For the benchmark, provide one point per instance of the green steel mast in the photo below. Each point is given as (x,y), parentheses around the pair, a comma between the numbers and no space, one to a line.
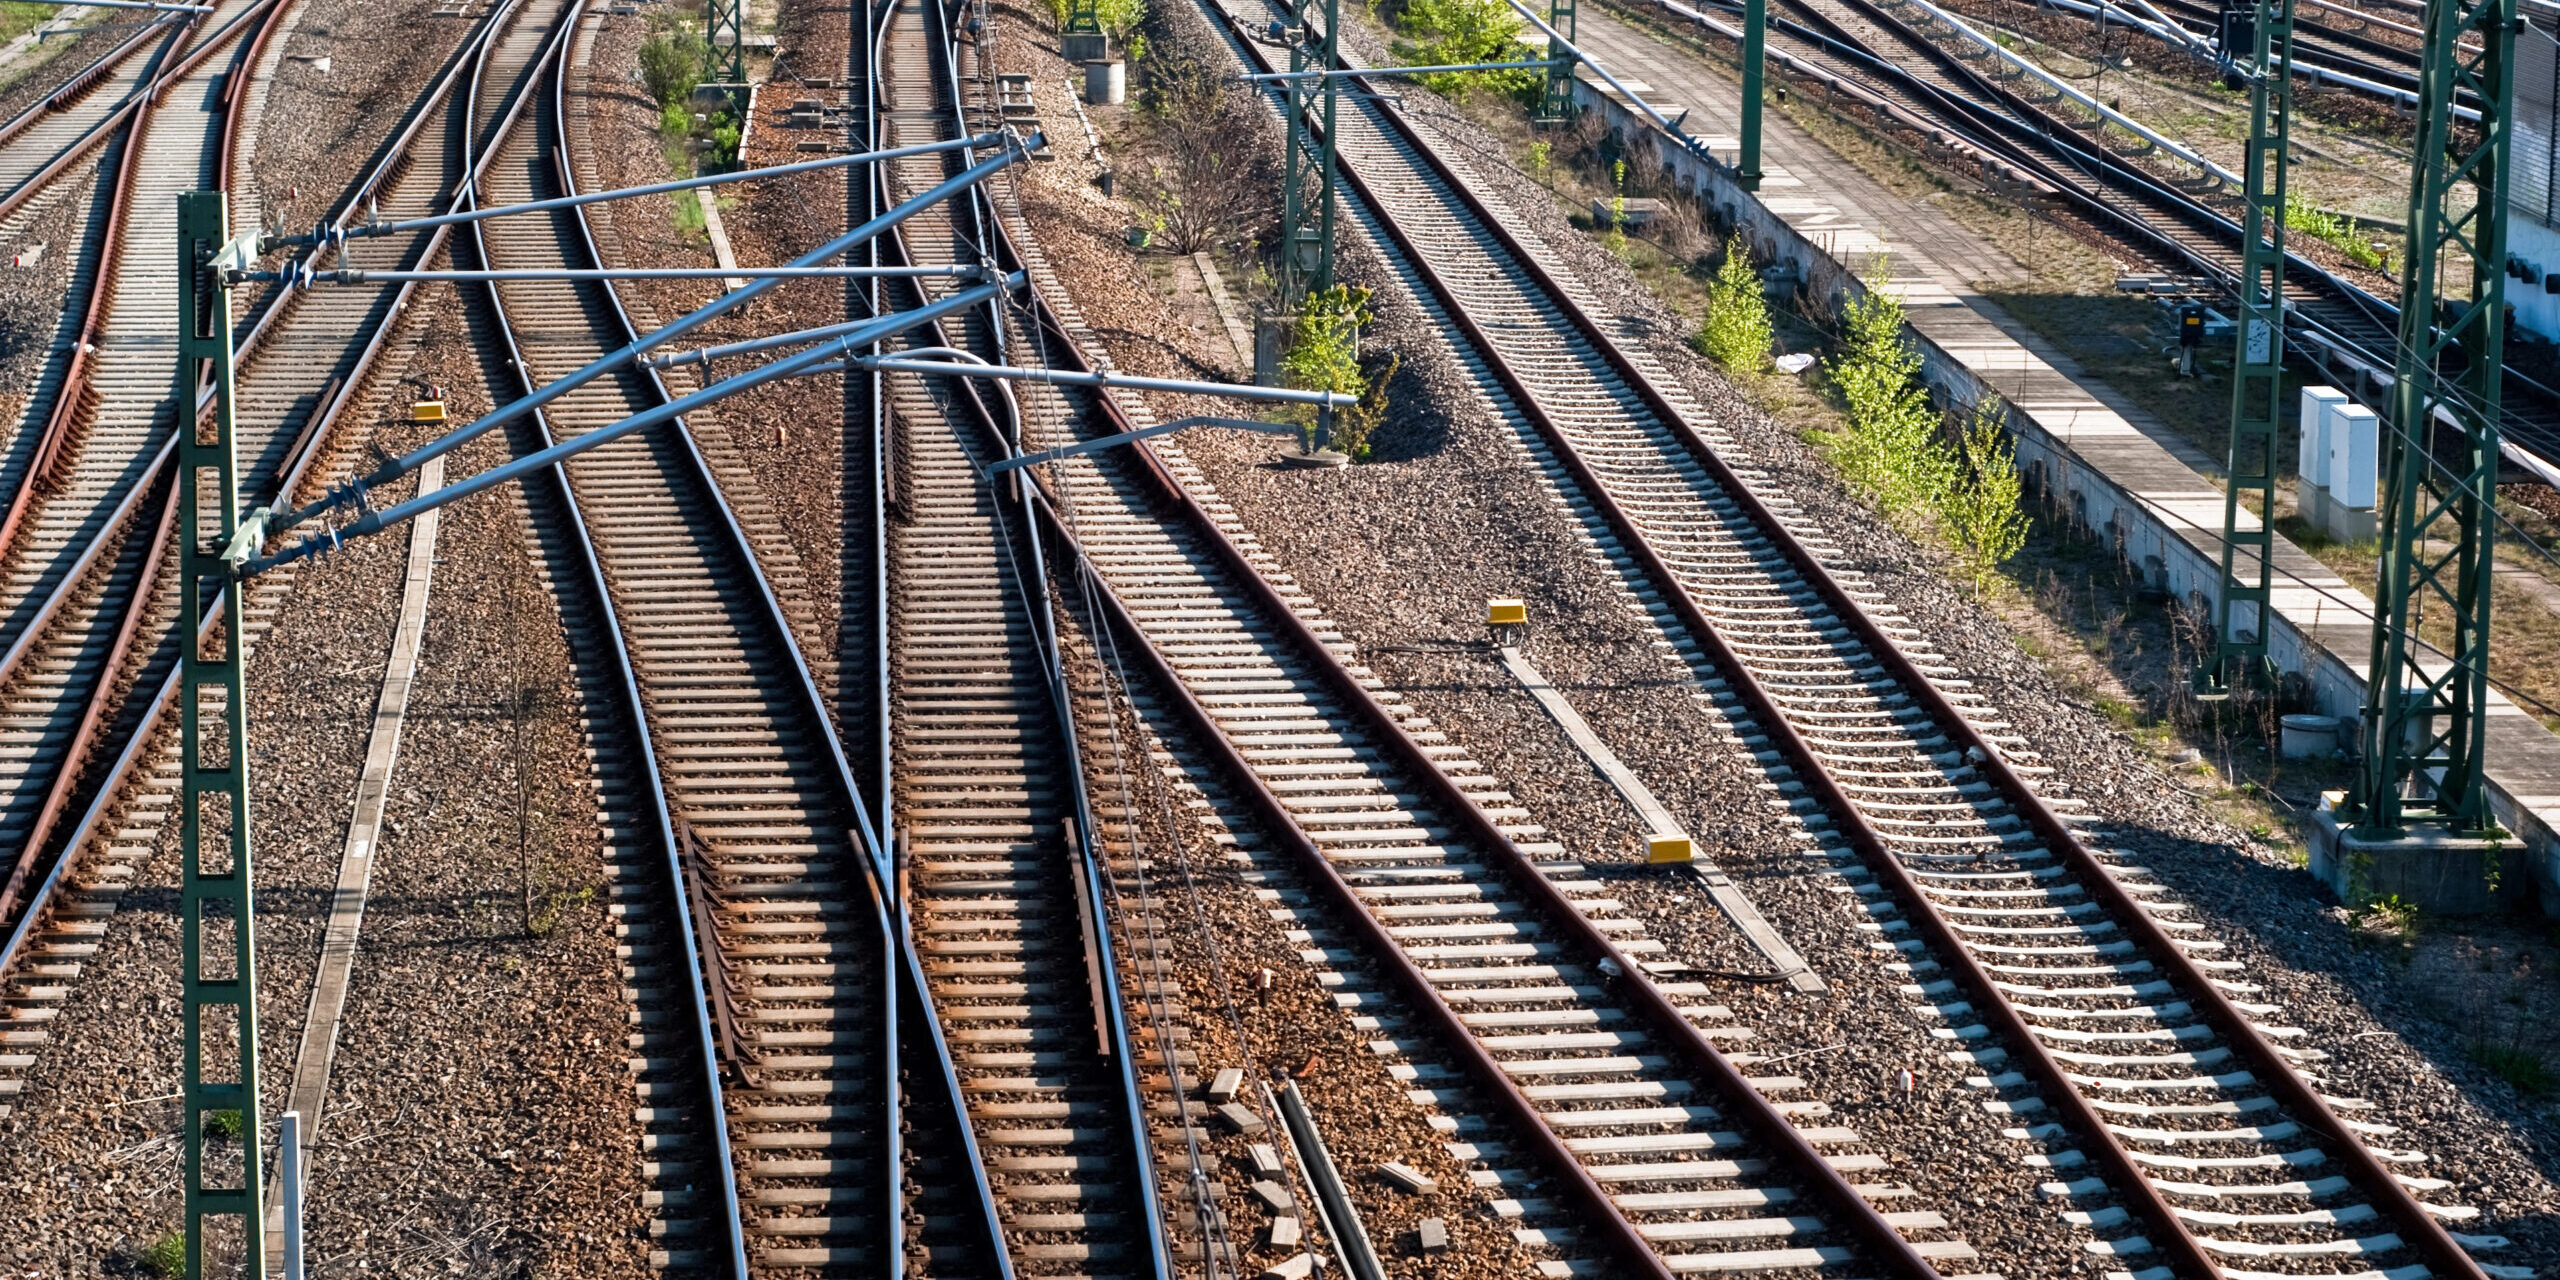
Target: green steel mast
(1755,56)
(2257,369)
(2423,734)
(726,21)
(217,950)
(1307,190)
(1555,104)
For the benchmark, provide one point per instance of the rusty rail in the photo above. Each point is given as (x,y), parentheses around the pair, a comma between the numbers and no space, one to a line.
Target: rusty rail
(2427,1235)
(1752,1112)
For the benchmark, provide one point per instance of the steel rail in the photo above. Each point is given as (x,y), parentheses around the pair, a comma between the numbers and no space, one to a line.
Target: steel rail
(880,872)
(630,705)
(1110,1010)
(1744,1104)
(36,635)
(2150,215)
(78,84)
(93,715)
(2429,1236)
(2335,311)
(1861,834)
(1033,587)
(479,147)
(69,403)
(391,162)
(161,79)
(121,773)
(72,392)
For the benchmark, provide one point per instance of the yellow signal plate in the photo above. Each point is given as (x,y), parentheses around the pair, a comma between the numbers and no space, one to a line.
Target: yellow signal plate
(1505,613)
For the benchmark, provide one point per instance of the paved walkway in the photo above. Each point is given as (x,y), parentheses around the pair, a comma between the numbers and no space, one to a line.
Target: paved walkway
(2153,485)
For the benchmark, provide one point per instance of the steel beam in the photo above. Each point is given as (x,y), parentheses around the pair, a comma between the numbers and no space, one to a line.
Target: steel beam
(1755,56)
(1555,104)
(2423,736)
(218,970)
(726,29)
(1307,184)
(2240,611)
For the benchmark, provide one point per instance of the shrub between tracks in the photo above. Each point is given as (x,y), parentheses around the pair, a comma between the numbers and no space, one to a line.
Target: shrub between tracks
(1324,355)
(1895,448)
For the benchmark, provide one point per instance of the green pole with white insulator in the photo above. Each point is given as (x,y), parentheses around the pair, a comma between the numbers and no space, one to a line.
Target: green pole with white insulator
(224,1171)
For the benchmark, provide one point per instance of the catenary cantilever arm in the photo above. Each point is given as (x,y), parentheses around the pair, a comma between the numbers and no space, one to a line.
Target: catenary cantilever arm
(242,555)
(352,491)
(327,234)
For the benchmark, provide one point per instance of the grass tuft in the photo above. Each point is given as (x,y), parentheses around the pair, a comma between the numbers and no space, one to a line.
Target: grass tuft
(166,1255)
(2527,1070)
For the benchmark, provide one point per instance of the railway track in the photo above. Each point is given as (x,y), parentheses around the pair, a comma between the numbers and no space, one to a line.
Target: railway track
(2178,1111)
(1515,988)
(96,105)
(999,845)
(92,621)
(1883,47)
(771,970)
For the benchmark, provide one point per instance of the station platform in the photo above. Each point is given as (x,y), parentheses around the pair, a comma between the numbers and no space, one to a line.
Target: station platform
(2122,468)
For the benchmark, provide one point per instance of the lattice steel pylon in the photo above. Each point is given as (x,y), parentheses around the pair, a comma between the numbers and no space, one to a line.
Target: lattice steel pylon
(217,940)
(1084,17)
(1307,190)
(1555,102)
(2257,368)
(2423,734)
(725,25)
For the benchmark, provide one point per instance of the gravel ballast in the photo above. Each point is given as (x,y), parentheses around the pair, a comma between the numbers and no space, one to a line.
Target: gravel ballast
(1404,550)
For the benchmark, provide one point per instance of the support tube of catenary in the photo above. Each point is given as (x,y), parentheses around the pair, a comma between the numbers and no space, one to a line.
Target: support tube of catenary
(407,225)
(376,521)
(343,494)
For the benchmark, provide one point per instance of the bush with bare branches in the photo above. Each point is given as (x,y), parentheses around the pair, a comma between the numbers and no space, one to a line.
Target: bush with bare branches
(1206,174)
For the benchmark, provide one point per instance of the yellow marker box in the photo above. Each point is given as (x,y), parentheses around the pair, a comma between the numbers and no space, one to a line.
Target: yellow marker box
(1505,613)
(1659,849)
(427,411)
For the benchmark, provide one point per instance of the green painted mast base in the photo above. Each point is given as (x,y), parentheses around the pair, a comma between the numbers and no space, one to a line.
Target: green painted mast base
(2424,734)
(2241,608)
(224,1175)
(1555,101)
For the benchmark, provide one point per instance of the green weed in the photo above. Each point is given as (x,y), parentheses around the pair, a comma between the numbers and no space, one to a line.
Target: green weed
(2330,229)
(1456,32)
(2527,1070)
(166,1255)
(1889,446)
(1324,355)
(1737,331)
(1981,509)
